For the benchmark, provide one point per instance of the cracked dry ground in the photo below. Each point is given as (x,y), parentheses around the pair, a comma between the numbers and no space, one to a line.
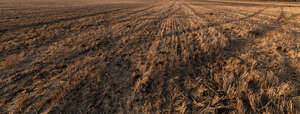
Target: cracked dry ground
(149,57)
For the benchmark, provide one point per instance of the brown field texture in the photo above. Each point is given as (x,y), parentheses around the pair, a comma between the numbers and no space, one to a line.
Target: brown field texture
(139,57)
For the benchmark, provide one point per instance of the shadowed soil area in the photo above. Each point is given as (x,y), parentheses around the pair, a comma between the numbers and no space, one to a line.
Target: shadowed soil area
(192,56)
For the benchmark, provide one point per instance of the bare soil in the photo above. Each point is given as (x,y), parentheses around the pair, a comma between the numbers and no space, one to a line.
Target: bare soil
(193,56)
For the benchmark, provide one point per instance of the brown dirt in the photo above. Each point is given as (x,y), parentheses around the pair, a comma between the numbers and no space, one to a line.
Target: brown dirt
(197,56)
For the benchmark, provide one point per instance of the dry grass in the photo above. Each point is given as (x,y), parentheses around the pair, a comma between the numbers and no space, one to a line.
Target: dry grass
(149,57)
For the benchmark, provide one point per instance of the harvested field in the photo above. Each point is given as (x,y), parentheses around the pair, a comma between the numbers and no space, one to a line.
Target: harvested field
(192,56)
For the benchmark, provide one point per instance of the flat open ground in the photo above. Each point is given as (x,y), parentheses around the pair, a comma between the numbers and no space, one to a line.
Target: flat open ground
(193,56)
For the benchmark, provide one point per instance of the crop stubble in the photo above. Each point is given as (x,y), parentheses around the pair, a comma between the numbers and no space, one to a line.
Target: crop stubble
(136,57)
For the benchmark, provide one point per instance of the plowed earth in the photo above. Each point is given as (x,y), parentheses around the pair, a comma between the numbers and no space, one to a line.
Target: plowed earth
(149,57)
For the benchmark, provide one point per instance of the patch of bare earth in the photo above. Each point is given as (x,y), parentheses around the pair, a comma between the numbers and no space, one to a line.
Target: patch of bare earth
(149,57)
